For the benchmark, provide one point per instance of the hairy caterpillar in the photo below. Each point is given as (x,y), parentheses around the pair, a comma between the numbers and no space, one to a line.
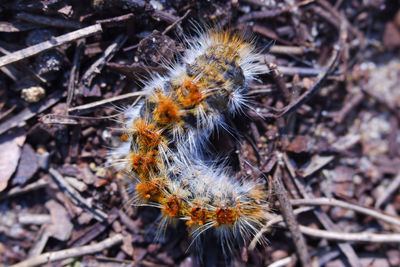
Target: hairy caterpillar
(163,136)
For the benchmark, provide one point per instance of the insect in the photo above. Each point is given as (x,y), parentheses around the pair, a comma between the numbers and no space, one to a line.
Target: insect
(162,148)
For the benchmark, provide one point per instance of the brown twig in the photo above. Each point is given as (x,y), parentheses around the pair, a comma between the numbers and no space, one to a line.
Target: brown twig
(49,257)
(175,23)
(290,219)
(90,233)
(25,68)
(98,65)
(7,112)
(265,14)
(164,16)
(44,46)
(320,80)
(47,21)
(269,34)
(37,219)
(354,101)
(74,73)
(306,192)
(13,26)
(33,110)
(116,19)
(76,197)
(279,81)
(390,189)
(21,190)
(304,72)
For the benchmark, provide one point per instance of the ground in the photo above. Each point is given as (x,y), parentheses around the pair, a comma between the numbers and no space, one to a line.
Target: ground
(322,131)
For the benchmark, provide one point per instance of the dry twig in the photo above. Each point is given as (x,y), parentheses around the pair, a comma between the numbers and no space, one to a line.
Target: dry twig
(49,257)
(27,188)
(176,22)
(76,197)
(105,101)
(31,111)
(271,221)
(48,21)
(290,219)
(44,46)
(392,187)
(98,65)
(363,237)
(338,203)
(306,192)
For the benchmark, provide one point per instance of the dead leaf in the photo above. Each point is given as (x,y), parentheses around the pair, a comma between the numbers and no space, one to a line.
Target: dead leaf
(127,246)
(27,167)
(10,151)
(300,144)
(61,226)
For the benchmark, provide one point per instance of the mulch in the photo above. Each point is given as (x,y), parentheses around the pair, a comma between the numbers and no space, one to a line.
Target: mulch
(323,130)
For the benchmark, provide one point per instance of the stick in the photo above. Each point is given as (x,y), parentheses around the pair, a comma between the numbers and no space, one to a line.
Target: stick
(98,65)
(21,190)
(271,221)
(290,219)
(320,80)
(306,191)
(44,46)
(364,237)
(105,101)
(48,21)
(176,22)
(31,111)
(49,257)
(287,49)
(334,202)
(282,262)
(74,73)
(392,187)
(97,214)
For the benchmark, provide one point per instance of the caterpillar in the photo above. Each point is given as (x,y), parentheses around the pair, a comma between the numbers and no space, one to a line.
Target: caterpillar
(162,145)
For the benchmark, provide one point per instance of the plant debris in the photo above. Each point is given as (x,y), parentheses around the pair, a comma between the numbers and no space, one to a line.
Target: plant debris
(323,129)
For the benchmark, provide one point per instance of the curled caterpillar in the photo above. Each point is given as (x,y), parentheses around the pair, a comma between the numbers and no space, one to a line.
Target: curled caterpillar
(163,140)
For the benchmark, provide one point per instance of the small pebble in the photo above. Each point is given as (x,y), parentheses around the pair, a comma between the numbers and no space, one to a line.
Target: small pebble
(33,94)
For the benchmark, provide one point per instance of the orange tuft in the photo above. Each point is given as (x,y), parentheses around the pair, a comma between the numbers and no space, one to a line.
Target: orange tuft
(226,215)
(124,137)
(145,162)
(189,94)
(171,207)
(167,110)
(148,189)
(197,216)
(147,136)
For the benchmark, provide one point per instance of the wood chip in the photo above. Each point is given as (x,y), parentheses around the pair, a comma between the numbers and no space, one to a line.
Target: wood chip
(61,227)
(27,167)
(317,162)
(10,151)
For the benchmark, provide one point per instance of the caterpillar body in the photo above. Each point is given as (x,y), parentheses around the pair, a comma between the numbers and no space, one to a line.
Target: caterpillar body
(163,140)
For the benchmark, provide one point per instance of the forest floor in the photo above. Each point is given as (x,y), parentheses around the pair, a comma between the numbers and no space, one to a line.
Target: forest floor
(329,152)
